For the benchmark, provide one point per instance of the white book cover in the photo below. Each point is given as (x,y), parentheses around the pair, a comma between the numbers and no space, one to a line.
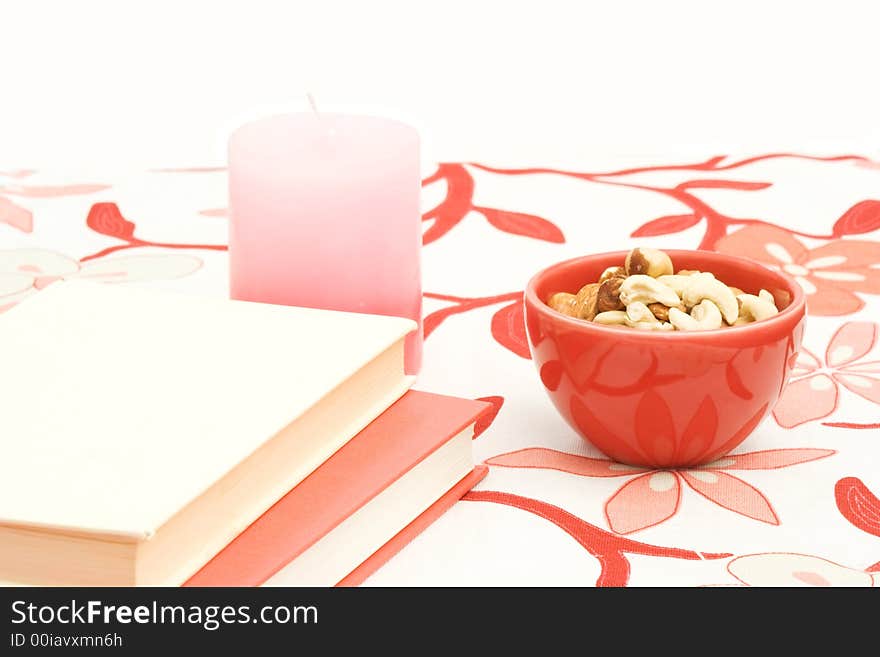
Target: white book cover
(120,406)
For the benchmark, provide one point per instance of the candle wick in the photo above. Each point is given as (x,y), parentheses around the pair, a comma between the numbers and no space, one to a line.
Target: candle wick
(329,133)
(313,104)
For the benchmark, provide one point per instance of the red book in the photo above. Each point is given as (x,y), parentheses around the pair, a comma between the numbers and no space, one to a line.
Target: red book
(361,506)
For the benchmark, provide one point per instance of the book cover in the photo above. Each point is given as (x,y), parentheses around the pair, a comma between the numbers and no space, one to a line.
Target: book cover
(124,406)
(393,444)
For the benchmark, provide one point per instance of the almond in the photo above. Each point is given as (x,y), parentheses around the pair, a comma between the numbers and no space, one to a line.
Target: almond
(563,302)
(586,301)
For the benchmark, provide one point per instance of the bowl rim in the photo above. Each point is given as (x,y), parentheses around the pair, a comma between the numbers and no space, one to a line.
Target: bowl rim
(794,309)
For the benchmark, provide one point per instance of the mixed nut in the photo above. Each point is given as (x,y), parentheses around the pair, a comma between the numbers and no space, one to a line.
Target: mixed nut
(646,293)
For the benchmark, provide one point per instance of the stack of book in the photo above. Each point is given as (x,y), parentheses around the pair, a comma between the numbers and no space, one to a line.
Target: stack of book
(149,438)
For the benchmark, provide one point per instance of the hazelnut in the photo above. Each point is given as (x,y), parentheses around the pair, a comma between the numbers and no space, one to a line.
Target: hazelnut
(609,295)
(612,272)
(563,302)
(650,262)
(586,301)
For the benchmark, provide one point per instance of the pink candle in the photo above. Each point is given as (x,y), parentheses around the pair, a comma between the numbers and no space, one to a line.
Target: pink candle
(325,213)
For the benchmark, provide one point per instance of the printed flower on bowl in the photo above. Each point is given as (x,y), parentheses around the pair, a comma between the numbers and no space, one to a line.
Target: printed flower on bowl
(830,275)
(813,391)
(653,496)
(25,271)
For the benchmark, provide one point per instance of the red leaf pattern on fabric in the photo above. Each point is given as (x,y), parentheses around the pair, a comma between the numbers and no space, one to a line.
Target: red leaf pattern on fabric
(456,205)
(518,223)
(858,504)
(105,218)
(771,459)
(551,459)
(486,419)
(665,225)
(863,217)
(742,185)
(509,329)
(731,493)
(643,502)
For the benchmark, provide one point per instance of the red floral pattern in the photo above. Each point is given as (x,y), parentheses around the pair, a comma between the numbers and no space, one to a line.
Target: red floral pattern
(458,203)
(833,274)
(486,419)
(813,391)
(829,275)
(652,496)
(106,219)
(717,224)
(858,505)
(22,218)
(841,270)
(609,549)
(507,325)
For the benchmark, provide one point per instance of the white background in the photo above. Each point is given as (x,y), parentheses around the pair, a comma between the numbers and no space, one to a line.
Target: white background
(152,84)
(98,82)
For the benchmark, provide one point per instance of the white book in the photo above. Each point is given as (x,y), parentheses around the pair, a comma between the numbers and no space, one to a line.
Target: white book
(141,431)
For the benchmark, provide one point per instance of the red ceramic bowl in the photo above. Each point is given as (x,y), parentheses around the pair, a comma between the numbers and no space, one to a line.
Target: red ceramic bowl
(664,399)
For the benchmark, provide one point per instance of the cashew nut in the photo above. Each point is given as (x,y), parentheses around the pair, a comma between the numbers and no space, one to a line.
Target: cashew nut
(648,294)
(764,294)
(678,282)
(702,287)
(652,262)
(640,316)
(611,317)
(755,308)
(646,289)
(656,326)
(639,312)
(704,316)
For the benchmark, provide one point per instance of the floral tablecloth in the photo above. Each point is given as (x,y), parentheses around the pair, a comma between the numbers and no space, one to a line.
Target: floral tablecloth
(796,504)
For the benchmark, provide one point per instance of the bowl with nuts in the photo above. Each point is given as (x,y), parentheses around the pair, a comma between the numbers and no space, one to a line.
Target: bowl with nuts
(664,358)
